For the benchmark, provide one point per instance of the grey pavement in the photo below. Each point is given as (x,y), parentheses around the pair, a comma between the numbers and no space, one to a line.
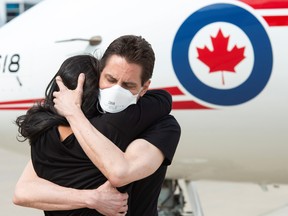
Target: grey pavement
(11,165)
(217,198)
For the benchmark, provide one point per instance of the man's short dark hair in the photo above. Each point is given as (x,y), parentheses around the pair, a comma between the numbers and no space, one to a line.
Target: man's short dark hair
(134,49)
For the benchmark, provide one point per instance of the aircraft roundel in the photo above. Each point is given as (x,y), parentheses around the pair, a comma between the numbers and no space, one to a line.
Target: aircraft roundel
(222,55)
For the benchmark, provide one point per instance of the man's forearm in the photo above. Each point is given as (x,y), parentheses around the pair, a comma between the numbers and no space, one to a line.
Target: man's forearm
(102,152)
(118,167)
(32,191)
(140,159)
(50,198)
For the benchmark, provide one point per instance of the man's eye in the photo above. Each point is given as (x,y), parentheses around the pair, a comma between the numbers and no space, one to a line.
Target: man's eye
(111,80)
(129,87)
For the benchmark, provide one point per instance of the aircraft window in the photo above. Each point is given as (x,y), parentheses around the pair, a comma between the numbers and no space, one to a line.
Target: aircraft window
(15,9)
(12,10)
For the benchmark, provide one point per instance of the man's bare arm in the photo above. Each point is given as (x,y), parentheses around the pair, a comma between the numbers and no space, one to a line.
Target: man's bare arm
(32,191)
(140,159)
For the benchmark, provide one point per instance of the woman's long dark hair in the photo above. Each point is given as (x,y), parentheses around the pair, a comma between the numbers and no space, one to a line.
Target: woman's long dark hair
(42,116)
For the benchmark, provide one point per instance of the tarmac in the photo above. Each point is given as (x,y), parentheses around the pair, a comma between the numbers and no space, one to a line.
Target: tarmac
(216,198)
(11,165)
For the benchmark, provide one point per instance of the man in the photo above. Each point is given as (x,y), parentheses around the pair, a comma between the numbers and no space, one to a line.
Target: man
(127,65)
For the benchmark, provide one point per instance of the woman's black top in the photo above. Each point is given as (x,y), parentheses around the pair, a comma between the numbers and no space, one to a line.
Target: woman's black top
(66,164)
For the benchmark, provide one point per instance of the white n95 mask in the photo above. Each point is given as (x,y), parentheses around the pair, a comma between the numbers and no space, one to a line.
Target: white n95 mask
(115,99)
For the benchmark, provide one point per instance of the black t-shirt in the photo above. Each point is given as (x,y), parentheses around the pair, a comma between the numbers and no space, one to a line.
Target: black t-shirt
(66,163)
(165,135)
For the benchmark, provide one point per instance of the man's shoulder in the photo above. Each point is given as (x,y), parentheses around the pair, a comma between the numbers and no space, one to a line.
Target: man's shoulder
(170,120)
(166,124)
(158,93)
(158,99)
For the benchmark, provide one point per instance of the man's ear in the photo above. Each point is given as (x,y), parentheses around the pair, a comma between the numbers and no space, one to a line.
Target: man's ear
(145,88)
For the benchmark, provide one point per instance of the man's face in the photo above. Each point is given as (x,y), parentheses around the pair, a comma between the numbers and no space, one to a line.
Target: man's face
(127,75)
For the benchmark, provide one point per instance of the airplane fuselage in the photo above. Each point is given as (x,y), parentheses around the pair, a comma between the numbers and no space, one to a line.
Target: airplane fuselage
(224,62)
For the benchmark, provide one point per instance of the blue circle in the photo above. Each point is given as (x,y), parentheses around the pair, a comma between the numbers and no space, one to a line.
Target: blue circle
(238,16)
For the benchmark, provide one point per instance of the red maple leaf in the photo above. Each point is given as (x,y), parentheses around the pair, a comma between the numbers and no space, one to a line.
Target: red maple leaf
(220,59)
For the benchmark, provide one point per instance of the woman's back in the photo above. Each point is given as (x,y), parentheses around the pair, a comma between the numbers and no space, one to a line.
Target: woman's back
(66,164)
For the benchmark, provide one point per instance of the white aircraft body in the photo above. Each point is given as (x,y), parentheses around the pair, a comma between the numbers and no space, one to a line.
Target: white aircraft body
(224,62)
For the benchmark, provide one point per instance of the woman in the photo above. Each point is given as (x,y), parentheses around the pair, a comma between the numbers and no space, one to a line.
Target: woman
(55,152)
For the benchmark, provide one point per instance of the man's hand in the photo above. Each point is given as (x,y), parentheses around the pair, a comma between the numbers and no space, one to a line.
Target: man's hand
(68,101)
(109,201)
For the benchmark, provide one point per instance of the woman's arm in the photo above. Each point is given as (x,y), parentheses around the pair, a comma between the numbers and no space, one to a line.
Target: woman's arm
(35,192)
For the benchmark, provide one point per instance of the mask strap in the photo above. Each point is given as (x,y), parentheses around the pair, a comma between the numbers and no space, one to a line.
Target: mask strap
(99,108)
